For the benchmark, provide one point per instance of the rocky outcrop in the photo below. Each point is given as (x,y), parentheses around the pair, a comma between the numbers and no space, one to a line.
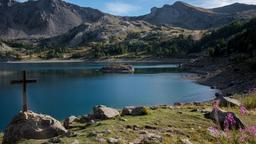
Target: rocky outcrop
(69,120)
(42,18)
(118,69)
(184,15)
(102,112)
(135,111)
(222,119)
(30,125)
(227,101)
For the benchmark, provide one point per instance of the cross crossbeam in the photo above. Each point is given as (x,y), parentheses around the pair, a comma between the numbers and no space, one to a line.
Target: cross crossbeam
(24,83)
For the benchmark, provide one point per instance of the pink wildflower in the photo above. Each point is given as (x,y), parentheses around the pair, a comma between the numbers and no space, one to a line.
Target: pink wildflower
(229,121)
(243,110)
(251,130)
(216,104)
(214,132)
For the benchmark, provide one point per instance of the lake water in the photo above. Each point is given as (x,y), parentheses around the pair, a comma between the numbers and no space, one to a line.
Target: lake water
(65,89)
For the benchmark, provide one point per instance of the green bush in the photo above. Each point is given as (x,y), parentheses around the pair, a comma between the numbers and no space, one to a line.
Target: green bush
(249,101)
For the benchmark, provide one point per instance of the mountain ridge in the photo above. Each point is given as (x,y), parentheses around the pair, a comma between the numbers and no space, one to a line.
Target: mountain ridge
(50,18)
(181,14)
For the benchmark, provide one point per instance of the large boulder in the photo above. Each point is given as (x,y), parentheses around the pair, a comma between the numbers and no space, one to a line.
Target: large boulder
(228,101)
(103,112)
(118,68)
(69,120)
(219,118)
(30,125)
(135,111)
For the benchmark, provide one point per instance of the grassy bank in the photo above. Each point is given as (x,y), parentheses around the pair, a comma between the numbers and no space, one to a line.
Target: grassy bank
(173,124)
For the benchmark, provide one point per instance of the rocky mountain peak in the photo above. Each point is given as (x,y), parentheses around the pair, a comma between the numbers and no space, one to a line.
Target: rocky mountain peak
(180,3)
(51,3)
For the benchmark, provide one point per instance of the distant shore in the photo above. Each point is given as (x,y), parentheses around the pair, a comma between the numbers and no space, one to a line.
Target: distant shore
(174,61)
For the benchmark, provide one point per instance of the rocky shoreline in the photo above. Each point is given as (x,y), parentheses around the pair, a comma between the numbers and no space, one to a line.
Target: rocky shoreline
(221,74)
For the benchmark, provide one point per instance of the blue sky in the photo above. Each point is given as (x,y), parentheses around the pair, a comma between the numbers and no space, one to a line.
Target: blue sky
(140,7)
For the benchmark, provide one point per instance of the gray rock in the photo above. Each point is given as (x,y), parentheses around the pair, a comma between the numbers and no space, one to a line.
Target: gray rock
(103,112)
(227,101)
(177,104)
(68,121)
(152,138)
(127,110)
(30,125)
(101,140)
(113,141)
(219,117)
(135,111)
(185,141)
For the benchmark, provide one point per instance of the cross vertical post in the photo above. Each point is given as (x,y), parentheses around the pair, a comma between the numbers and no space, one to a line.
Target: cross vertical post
(24,82)
(24,93)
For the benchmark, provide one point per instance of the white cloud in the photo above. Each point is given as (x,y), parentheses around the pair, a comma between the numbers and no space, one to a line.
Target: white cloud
(218,3)
(119,8)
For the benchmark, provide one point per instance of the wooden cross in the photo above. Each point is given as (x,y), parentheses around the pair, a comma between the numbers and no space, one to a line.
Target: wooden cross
(24,82)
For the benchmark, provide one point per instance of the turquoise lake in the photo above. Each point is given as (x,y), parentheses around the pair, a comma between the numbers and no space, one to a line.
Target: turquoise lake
(65,89)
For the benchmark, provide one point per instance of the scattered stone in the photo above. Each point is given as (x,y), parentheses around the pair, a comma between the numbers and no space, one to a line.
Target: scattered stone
(103,112)
(177,104)
(134,127)
(127,110)
(164,106)
(197,103)
(152,138)
(107,131)
(185,141)
(219,117)
(71,134)
(143,132)
(113,141)
(101,140)
(91,122)
(68,121)
(123,119)
(54,140)
(30,125)
(75,142)
(150,127)
(154,107)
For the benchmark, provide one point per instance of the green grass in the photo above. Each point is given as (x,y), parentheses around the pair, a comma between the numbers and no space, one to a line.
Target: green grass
(1,137)
(249,101)
(172,124)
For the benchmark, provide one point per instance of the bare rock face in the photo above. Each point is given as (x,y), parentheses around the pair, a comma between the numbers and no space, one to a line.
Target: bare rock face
(30,125)
(103,112)
(42,18)
(184,15)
